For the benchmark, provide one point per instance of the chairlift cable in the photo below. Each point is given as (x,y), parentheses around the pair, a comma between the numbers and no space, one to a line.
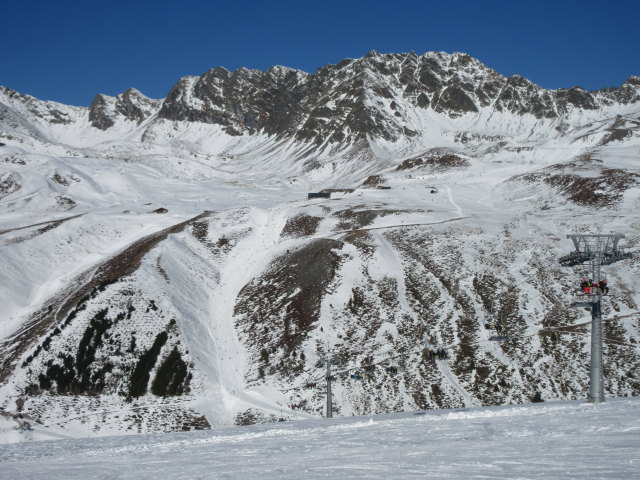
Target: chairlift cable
(606,340)
(558,328)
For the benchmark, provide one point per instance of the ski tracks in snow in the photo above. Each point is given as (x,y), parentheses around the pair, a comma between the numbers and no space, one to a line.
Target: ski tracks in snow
(249,257)
(467,399)
(453,202)
(392,263)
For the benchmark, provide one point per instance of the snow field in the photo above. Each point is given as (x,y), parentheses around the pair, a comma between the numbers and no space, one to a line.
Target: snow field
(562,440)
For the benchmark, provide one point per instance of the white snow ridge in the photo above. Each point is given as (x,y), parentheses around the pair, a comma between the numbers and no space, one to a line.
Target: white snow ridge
(168,291)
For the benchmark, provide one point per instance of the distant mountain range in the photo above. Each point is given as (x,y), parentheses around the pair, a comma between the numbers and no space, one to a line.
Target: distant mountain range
(382,96)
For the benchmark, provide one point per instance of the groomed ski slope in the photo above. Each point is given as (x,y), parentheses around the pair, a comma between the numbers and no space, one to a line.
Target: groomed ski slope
(548,440)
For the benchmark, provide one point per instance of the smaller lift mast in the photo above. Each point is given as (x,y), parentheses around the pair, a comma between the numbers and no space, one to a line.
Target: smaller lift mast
(595,250)
(329,359)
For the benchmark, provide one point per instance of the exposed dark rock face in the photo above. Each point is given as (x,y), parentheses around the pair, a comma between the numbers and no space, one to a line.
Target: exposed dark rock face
(244,100)
(99,113)
(620,130)
(130,105)
(372,96)
(373,181)
(519,95)
(576,97)
(376,96)
(455,100)
(628,92)
(133,105)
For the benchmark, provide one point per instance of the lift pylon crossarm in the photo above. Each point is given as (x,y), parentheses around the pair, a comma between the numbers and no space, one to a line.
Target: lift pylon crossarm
(595,241)
(589,247)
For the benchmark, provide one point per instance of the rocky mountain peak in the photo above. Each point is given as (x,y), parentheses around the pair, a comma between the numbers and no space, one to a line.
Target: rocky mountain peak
(131,105)
(101,111)
(633,80)
(384,96)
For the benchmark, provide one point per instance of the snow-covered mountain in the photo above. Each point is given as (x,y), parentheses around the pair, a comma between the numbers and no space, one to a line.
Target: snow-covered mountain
(163,268)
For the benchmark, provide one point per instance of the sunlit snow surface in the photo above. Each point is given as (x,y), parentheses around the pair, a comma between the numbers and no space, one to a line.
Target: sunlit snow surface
(548,440)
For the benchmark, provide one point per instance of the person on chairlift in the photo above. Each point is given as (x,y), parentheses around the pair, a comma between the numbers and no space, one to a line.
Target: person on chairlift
(604,289)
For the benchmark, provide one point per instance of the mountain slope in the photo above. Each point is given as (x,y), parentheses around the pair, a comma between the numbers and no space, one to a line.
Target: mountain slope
(164,269)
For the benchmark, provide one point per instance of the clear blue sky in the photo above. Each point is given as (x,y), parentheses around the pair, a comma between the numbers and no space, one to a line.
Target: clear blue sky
(69,51)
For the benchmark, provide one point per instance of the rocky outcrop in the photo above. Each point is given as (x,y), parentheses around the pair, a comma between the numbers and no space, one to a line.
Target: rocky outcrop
(131,105)
(101,112)
(371,96)
(244,100)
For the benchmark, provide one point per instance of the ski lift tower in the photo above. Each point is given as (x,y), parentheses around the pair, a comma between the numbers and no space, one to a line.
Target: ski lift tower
(329,359)
(595,250)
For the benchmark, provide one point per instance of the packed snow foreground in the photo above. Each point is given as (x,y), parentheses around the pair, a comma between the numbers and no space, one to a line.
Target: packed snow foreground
(558,440)
(163,269)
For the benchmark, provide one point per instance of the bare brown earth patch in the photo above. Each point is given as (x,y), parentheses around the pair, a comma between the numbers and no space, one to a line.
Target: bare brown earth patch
(435,159)
(276,311)
(338,190)
(373,181)
(301,225)
(585,181)
(351,219)
(602,190)
(362,240)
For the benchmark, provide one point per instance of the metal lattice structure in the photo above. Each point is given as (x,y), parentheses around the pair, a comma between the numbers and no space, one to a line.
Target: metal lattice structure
(602,247)
(329,359)
(595,250)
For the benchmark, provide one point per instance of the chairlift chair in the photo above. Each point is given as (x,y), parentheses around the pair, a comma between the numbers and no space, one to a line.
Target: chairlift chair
(498,337)
(499,334)
(594,290)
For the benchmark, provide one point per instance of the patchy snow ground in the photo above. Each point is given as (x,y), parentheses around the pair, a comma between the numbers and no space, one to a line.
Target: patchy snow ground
(559,440)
